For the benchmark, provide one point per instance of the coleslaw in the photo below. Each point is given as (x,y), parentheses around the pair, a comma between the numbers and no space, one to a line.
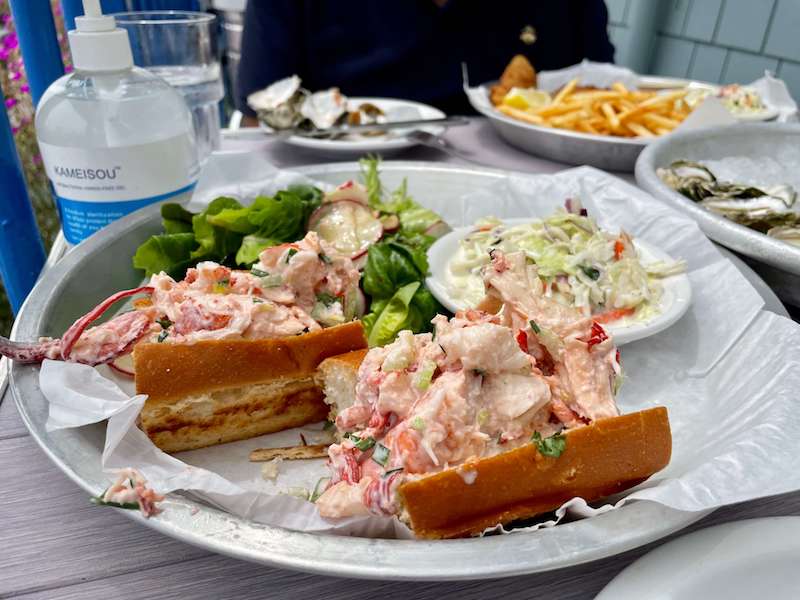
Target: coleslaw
(600,273)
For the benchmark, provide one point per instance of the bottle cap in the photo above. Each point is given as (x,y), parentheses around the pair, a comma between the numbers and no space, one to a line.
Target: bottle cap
(97,44)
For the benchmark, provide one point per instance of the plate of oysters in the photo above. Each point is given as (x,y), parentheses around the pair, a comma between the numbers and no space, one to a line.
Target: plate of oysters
(315,120)
(740,183)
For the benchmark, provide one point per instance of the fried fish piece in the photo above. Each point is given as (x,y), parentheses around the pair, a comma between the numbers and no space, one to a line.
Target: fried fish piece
(519,73)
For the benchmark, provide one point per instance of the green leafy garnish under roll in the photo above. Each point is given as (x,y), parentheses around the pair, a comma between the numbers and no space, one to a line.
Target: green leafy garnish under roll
(552,446)
(393,278)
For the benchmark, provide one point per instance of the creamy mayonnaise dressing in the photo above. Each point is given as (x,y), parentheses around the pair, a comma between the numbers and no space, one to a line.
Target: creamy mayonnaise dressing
(580,265)
(293,288)
(482,385)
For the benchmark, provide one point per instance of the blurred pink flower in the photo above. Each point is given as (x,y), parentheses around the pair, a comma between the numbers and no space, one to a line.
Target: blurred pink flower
(68,69)
(25,88)
(15,75)
(11,102)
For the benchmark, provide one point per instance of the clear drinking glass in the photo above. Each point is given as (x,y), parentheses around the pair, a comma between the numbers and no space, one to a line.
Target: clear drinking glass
(181,47)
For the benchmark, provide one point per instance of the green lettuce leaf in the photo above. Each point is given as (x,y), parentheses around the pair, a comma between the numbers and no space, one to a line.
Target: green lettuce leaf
(391,265)
(175,218)
(171,253)
(411,307)
(414,218)
(252,246)
(393,317)
(215,243)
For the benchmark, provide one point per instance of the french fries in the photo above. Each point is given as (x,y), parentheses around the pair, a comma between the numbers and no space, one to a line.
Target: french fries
(617,111)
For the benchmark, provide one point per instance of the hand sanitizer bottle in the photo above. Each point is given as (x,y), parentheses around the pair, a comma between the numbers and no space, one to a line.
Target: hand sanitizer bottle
(113,137)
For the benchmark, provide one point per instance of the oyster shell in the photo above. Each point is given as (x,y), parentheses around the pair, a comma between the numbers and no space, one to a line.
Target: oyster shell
(279,105)
(325,108)
(786,233)
(758,208)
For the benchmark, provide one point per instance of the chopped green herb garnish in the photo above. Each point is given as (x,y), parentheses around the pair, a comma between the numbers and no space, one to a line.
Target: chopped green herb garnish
(325,258)
(591,273)
(271,281)
(535,327)
(258,272)
(257,300)
(362,444)
(290,254)
(425,375)
(328,426)
(380,455)
(322,484)
(482,416)
(162,336)
(164,322)
(225,282)
(393,471)
(553,446)
(326,298)
(418,423)
(98,500)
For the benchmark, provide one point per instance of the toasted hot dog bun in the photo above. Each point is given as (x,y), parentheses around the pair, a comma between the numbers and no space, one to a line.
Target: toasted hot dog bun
(215,391)
(601,459)
(337,378)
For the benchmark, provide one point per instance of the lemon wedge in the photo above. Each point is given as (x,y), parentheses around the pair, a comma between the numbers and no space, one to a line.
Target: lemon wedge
(526,98)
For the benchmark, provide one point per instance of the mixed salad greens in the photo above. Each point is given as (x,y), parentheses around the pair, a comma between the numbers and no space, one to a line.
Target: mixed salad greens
(386,234)
(579,264)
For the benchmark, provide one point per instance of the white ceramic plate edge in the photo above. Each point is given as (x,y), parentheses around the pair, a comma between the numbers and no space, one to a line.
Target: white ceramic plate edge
(729,556)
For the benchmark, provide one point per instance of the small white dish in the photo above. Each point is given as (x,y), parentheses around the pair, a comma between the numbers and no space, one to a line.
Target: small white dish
(674,302)
(740,560)
(395,109)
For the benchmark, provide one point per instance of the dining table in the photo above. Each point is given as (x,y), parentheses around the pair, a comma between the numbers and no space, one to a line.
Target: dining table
(54,544)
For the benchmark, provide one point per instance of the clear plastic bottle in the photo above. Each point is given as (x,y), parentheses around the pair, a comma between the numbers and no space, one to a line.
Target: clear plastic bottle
(113,137)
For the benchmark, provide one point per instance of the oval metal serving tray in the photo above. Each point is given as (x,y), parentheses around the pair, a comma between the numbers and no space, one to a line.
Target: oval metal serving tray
(102,265)
(776,261)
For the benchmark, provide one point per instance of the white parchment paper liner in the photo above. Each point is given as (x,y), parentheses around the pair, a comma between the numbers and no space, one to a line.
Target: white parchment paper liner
(728,372)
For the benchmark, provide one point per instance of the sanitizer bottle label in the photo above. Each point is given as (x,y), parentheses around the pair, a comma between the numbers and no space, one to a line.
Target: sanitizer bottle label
(95,186)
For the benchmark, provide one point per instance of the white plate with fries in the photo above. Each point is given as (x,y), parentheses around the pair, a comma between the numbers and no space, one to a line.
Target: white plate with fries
(605,128)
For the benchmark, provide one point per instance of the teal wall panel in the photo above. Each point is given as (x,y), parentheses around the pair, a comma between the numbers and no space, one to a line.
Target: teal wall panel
(743,23)
(744,67)
(617,10)
(701,20)
(708,63)
(721,41)
(790,73)
(783,40)
(672,56)
(676,16)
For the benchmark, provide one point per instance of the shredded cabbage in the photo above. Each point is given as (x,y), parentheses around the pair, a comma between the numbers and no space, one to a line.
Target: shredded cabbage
(579,264)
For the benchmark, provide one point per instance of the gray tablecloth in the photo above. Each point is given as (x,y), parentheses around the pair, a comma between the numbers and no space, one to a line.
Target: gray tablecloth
(54,544)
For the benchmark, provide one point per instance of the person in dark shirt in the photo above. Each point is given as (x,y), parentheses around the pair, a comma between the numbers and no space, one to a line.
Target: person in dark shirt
(412,49)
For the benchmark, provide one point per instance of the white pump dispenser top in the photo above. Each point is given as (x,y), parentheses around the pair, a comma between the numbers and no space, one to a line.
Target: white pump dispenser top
(97,44)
